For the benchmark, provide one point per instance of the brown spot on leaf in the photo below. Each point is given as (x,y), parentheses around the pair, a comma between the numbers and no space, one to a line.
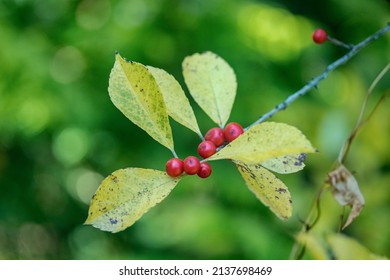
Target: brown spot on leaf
(281,190)
(114,178)
(301,158)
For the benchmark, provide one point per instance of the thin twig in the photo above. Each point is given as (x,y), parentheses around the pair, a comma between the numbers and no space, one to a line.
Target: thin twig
(314,82)
(315,209)
(339,43)
(298,249)
(359,123)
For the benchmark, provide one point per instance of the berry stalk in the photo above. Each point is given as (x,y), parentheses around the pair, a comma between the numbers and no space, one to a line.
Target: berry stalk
(314,82)
(339,43)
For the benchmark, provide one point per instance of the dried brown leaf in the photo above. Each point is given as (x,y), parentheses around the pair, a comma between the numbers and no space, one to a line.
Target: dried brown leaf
(346,191)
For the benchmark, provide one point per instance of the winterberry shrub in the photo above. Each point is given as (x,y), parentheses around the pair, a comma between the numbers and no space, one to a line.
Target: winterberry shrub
(257,151)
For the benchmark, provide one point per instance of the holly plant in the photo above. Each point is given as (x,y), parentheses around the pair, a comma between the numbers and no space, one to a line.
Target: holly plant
(148,96)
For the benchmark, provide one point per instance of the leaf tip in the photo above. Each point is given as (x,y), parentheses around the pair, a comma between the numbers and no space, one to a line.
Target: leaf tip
(88,220)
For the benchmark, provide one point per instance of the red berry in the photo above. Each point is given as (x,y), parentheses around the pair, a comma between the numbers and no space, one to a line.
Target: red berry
(191,165)
(206,149)
(205,170)
(215,135)
(319,36)
(174,167)
(232,131)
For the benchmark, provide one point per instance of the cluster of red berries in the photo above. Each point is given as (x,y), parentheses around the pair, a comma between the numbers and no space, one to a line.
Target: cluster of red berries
(214,138)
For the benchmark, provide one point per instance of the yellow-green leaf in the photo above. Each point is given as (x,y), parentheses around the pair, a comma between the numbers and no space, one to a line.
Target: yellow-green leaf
(265,141)
(286,164)
(135,92)
(177,104)
(271,191)
(212,83)
(313,245)
(127,194)
(346,248)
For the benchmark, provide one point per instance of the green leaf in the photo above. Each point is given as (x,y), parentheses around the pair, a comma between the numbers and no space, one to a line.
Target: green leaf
(346,248)
(127,194)
(212,83)
(177,104)
(285,164)
(313,245)
(271,191)
(265,141)
(135,92)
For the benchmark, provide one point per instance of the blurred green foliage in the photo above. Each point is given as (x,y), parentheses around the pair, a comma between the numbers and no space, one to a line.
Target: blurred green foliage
(60,135)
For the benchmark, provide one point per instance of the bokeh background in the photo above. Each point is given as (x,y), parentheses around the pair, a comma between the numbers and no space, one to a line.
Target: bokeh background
(60,135)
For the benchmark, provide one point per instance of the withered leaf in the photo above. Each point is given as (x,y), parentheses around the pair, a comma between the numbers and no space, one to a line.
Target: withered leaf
(346,191)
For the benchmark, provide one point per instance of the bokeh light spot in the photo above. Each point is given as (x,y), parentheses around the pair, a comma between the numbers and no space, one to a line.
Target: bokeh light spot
(332,133)
(166,46)
(34,241)
(51,10)
(33,116)
(71,145)
(82,183)
(88,243)
(68,65)
(130,14)
(93,14)
(336,89)
(274,32)
(87,184)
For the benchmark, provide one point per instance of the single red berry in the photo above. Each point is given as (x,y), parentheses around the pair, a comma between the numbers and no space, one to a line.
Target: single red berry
(191,165)
(174,167)
(232,131)
(319,36)
(205,170)
(215,135)
(206,149)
